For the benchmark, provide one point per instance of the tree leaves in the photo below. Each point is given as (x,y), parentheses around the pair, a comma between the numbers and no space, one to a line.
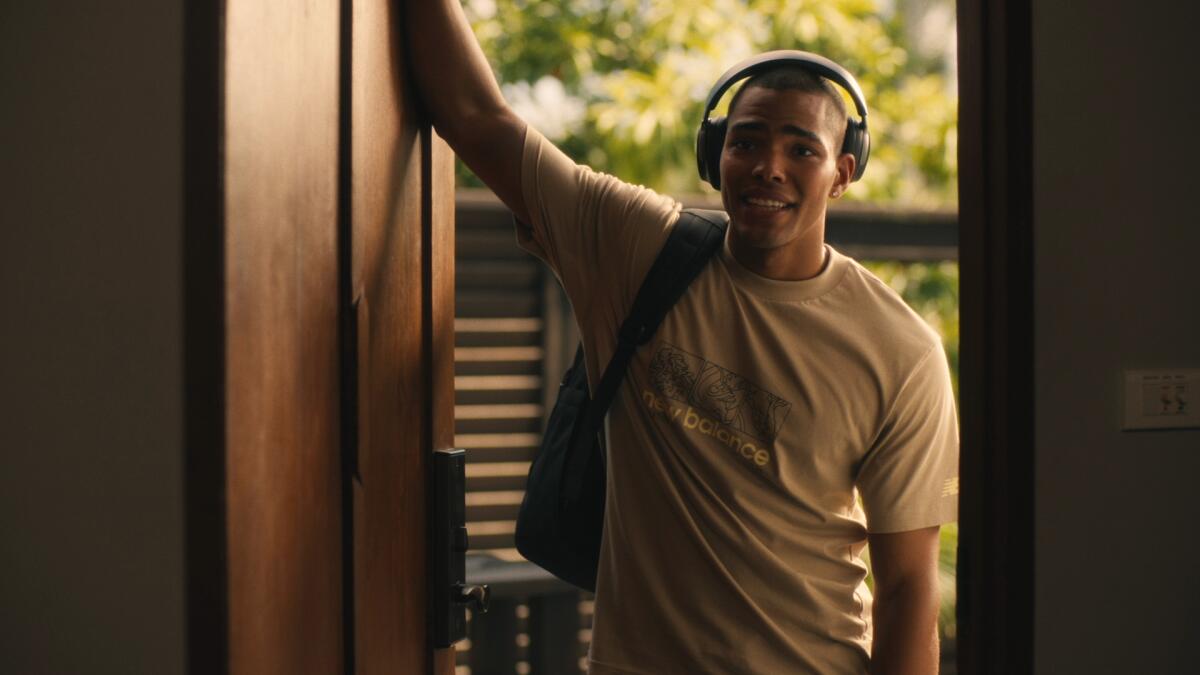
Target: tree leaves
(640,70)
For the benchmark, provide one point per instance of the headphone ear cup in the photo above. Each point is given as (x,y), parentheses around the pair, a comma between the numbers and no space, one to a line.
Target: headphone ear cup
(710,141)
(864,152)
(857,143)
(701,167)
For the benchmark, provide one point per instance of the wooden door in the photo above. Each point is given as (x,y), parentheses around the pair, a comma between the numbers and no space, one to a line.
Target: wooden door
(319,359)
(282,452)
(401,285)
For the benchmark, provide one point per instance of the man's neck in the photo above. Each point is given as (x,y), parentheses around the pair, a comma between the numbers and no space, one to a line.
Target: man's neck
(787,263)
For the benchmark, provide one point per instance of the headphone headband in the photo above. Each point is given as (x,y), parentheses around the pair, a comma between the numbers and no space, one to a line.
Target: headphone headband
(809,61)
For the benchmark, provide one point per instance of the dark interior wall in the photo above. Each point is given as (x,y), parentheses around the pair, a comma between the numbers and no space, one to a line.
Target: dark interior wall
(1116,245)
(91,484)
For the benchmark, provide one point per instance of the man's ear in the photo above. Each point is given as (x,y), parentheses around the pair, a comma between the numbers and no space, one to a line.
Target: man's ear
(845,171)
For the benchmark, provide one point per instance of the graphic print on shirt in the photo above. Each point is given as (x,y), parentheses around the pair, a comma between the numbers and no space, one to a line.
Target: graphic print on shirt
(730,398)
(719,402)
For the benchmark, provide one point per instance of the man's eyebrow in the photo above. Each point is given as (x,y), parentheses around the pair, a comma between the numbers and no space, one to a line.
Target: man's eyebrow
(790,129)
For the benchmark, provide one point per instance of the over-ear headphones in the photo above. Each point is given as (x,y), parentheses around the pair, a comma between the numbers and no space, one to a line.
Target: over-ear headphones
(710,140)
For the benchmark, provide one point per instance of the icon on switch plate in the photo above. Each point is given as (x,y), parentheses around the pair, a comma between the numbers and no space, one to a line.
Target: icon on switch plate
(1164,399)
(1159,399)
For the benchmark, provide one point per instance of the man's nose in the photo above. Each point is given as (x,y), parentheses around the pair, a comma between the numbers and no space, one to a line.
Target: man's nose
(770,166)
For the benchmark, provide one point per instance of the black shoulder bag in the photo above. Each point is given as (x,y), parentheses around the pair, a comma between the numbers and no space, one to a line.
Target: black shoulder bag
(562,514)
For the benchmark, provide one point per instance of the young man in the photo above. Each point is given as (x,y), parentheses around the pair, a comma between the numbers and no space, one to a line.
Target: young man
(784,386)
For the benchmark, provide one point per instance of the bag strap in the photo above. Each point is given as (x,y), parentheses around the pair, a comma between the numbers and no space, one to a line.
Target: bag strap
(696,236)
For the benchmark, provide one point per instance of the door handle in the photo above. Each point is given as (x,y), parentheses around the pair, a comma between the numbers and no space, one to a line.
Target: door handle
(450,593)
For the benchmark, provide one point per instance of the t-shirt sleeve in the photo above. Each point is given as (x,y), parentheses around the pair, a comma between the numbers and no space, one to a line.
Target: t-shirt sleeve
(909,477)
(598,234)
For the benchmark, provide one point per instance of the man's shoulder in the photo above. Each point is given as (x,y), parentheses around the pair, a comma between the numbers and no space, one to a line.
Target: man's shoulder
(554,177)
(879,310)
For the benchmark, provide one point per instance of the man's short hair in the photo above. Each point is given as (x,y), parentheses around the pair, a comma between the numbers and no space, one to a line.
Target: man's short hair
(795,77)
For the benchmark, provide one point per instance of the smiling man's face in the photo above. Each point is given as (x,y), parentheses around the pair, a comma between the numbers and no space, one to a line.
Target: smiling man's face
(781,164)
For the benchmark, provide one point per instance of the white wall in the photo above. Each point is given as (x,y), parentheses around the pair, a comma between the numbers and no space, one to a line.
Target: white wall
(91,482)
(1117,238)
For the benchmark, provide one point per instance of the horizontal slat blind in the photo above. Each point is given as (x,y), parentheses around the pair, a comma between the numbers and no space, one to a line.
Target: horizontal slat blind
(511,320)
(499,386)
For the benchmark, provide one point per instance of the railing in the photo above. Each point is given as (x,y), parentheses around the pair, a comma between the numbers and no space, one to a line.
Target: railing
(515,335)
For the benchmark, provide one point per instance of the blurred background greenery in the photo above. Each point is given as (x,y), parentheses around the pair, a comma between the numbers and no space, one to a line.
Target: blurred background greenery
(620,85)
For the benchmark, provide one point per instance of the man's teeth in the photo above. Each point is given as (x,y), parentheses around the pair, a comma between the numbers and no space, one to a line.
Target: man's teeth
(768,203)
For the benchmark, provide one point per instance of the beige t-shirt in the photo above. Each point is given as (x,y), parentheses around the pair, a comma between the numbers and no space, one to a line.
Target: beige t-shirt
(741,440)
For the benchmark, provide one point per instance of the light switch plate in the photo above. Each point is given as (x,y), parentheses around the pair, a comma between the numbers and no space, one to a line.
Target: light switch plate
(1162,399)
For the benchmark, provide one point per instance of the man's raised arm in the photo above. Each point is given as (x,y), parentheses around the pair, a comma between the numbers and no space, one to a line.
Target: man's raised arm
(460,93)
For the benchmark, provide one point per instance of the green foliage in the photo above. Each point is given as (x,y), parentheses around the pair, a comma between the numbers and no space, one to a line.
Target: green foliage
(639,72)
(947,578)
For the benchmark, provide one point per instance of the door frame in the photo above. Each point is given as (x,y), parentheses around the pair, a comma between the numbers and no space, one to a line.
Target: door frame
(206,575)
(996,537)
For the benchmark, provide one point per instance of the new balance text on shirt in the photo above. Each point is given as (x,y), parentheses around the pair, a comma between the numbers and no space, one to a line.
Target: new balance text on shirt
(691,420)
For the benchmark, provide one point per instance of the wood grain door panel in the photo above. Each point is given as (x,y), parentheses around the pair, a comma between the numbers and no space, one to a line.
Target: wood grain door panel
(282,403)
(402,282)
(331,269)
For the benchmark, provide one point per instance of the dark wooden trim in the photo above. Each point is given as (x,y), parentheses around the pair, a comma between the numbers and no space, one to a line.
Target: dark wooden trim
(348,331)
(441,185)
(995,564)
(437,318)
(427,337)
(207,580)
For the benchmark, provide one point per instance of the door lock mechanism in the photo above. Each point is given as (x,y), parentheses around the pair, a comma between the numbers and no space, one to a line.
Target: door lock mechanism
(476,596)
(449,591)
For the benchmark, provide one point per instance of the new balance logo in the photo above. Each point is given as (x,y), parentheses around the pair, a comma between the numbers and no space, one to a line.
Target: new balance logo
(950,487)
(720,394)
(702,397)
(690,419)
